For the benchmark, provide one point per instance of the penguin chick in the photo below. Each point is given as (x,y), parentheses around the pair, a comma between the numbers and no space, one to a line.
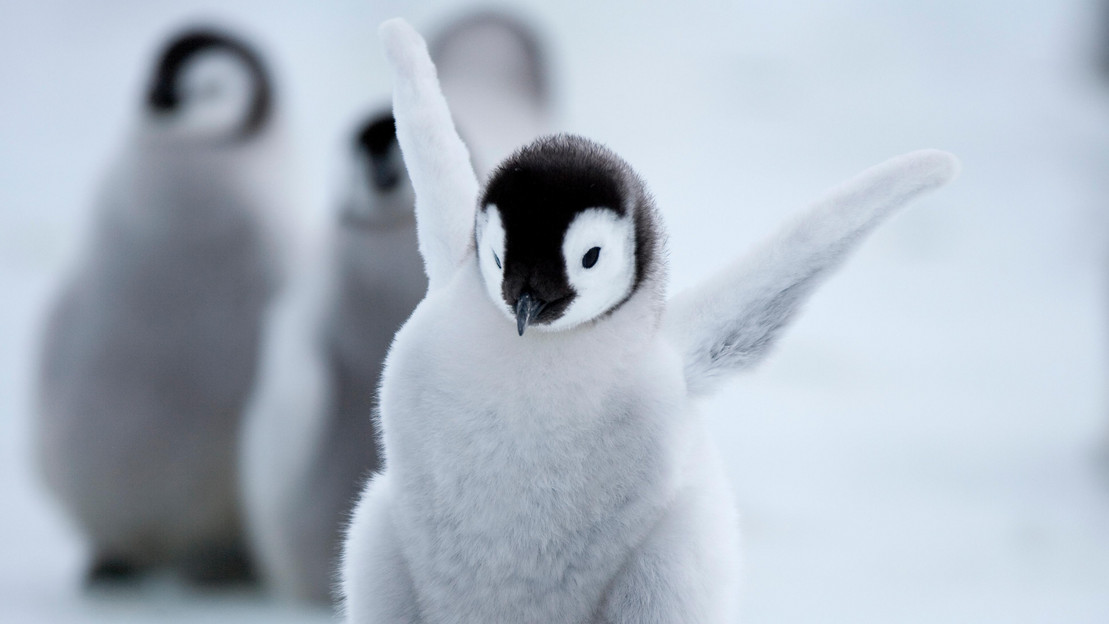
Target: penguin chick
(209,86)
(309,442)
(149,350)
(563,474)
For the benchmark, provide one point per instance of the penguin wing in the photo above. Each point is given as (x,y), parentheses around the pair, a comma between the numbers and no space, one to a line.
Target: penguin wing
(438,162)
(493,70)
(730,322)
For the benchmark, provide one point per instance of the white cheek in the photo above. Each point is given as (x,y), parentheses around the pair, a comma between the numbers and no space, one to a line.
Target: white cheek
(607,282)
(490,240)
(217,89)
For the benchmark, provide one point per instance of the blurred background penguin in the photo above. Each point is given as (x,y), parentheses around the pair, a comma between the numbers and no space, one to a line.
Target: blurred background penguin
(963,455)
(310,439)
(150,347)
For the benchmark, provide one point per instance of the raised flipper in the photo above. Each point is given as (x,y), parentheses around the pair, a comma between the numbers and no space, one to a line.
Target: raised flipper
(730,322)
(492,68)
(437,160)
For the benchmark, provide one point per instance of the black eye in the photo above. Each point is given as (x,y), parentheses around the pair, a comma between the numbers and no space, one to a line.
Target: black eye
(590,257)
(496,259)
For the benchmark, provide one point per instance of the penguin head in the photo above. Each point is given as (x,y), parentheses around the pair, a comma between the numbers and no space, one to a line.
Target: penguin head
(496,50)
(565,234)
(379,190)
(209,85)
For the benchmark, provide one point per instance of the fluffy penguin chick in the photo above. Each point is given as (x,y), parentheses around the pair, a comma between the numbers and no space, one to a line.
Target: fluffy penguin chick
(544,462)
(309,442)
(150,349)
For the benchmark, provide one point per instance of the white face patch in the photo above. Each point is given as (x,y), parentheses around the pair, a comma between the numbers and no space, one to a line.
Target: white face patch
(599,251)
(216,90)
(490,254)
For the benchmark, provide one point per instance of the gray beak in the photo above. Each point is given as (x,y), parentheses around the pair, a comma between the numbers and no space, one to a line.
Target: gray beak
(527,308)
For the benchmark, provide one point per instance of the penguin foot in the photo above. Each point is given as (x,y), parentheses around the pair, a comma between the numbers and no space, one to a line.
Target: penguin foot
(107,571)
(219,565)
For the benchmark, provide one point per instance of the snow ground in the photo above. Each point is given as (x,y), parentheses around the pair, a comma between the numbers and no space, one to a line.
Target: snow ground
(929,442)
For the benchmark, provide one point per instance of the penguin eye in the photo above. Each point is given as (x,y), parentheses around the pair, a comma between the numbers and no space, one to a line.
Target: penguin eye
(496,259)
(590,257)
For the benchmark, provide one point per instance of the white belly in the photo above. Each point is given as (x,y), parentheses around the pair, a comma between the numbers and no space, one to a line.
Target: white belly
(527,469)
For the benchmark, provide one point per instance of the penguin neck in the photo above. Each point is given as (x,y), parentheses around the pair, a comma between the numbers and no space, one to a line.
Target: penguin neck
(152,137)
(352,354)
(633,324)
(247,174)
(393,214)
(613,339)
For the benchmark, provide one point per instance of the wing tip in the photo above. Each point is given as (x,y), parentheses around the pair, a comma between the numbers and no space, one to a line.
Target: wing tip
(405,49)
(934,167)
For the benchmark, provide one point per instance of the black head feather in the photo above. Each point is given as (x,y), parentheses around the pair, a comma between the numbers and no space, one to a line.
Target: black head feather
(539,190)
(164,93)
(377,140)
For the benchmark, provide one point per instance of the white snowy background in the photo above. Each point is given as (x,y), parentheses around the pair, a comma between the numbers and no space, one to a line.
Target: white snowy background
(929,442)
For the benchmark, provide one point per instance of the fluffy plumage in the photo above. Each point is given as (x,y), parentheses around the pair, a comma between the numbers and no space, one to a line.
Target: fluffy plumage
(542,188)
(170,91)
(731,321)
(564,475)
(149,350)
(309,443)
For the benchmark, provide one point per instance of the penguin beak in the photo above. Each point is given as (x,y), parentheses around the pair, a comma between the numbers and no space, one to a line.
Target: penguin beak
(527,308)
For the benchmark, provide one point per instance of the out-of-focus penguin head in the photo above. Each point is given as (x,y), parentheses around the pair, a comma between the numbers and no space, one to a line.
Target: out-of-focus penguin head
(498,52)
(493,69)
(565,234)
(211,86)
(378,191)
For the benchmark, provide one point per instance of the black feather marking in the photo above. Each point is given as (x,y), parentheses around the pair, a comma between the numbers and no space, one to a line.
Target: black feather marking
(378,135)
(164,93)
(378,139)
(538,192)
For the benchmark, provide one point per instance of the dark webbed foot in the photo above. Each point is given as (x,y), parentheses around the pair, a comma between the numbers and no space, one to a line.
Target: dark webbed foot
(219,565)
(111,571)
